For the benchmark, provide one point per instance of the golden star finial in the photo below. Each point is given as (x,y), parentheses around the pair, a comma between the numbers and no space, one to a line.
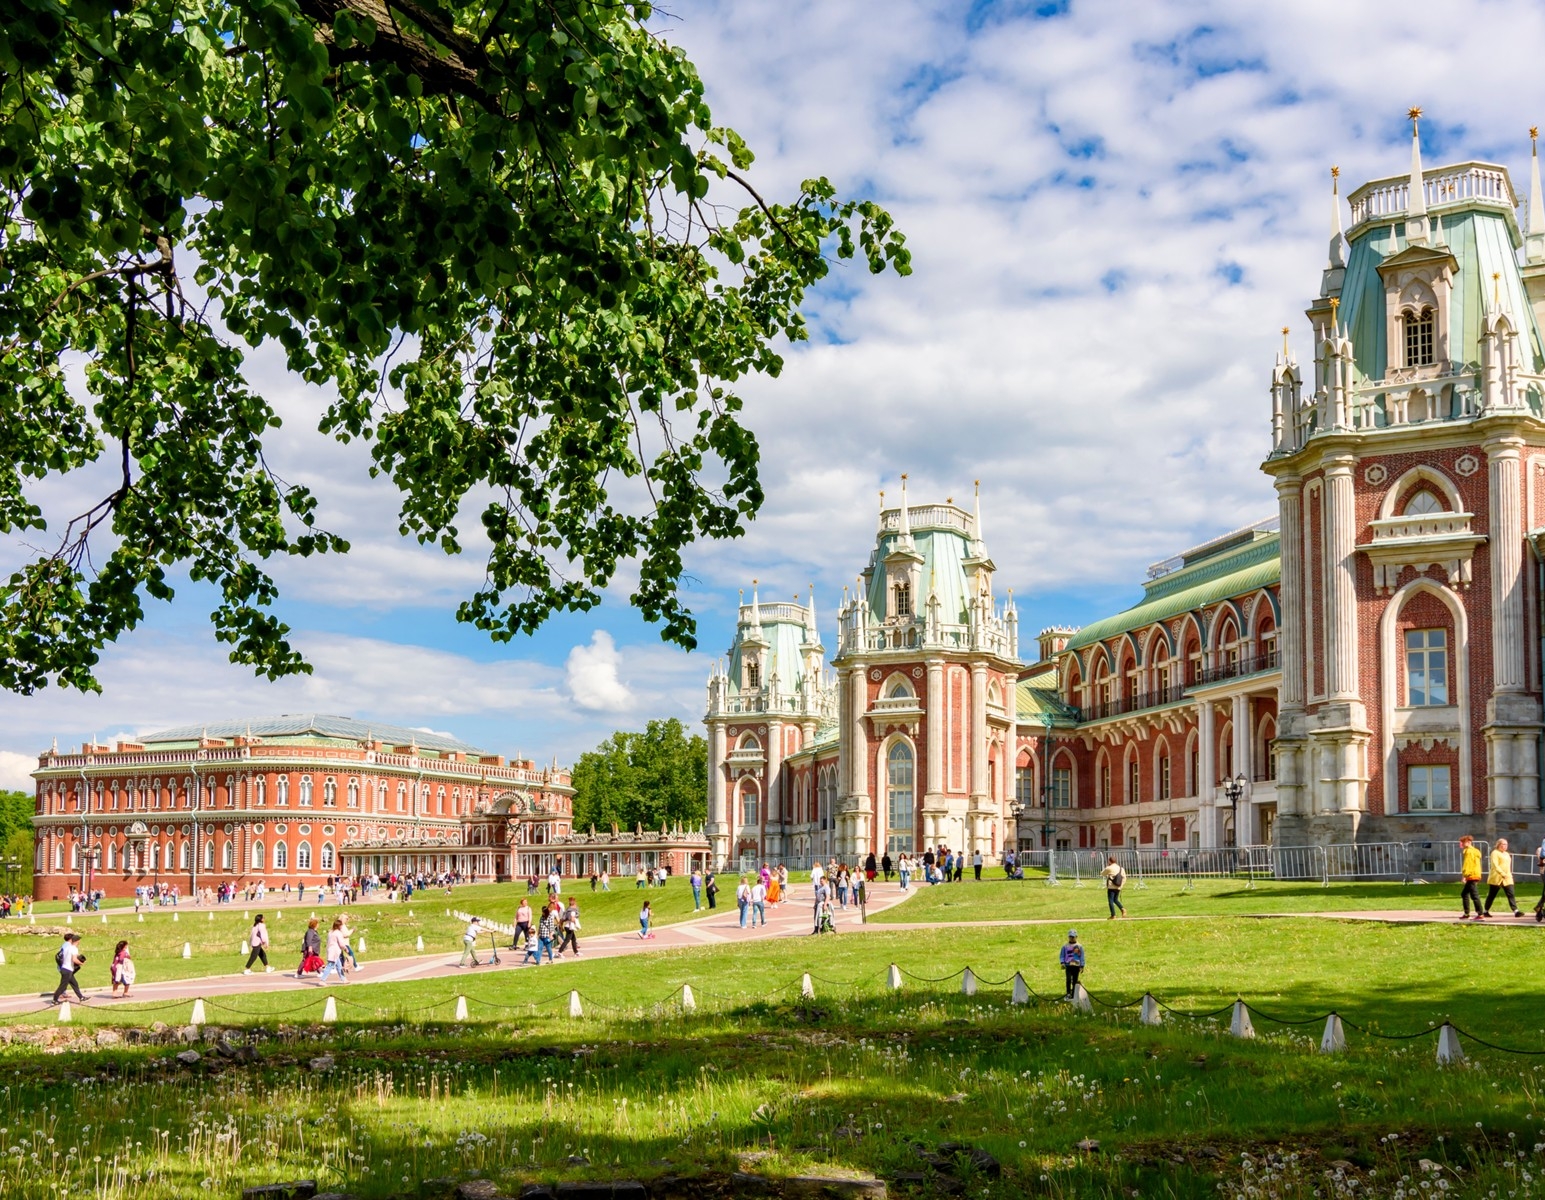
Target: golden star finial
(1534,133)
(1414,113)
(1335,172)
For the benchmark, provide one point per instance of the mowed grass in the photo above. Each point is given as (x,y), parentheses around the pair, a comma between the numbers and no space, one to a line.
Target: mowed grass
(998,899)
(216,946)
(856,1078)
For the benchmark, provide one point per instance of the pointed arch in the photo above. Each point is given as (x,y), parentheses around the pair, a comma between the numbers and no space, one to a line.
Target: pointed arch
(1410,480)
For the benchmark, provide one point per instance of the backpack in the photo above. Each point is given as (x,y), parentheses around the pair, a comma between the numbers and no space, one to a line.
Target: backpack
(59,958)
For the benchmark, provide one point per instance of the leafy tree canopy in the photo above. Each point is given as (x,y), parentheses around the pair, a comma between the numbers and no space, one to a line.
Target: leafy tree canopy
(655,778)
(498,232)
(16,833)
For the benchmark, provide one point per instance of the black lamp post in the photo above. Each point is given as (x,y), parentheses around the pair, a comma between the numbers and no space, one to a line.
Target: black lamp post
(1232,791)
(1048,830)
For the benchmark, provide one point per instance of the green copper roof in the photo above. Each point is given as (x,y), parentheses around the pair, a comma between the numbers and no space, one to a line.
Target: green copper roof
(784,656)
(943,573)
(1481,243)
(306,726)
(1253,566)
(1037,695)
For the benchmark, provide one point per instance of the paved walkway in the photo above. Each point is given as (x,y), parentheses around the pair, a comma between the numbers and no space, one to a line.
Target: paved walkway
(719,928)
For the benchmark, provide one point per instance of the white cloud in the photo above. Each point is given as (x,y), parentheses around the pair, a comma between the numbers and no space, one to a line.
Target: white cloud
(16,770)
(592,676)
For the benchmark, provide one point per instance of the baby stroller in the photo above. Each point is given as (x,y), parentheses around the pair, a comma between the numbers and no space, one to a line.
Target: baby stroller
(824,922)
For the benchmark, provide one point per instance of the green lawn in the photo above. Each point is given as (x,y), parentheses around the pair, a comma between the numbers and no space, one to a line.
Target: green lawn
(388,929)
(1031,899)
(854,1078)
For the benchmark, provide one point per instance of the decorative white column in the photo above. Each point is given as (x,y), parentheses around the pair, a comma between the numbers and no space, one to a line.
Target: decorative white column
(1340,608)
(858,760)
(1290,648)
(1507,582)
(773,814)
(718,830)
(935,749)
(1244,823)
(978,734)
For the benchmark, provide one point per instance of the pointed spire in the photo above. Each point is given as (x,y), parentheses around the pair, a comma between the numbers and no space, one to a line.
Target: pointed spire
(882,510)
(980,544)
(756,611)
(813,625)
(906,521)
(1337,241)
(1416,202)
(1534,240)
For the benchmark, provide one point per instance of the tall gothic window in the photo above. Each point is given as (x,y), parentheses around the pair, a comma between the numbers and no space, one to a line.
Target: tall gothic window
(1421,503)
(903,599)
(1419,339)
(899,814)
(753,674)
(1426,667)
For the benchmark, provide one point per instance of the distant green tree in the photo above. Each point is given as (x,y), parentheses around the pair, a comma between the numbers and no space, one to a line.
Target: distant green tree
(15,830)
(654,778)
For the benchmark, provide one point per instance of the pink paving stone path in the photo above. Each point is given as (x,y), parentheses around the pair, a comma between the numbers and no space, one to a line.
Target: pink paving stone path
(718,928)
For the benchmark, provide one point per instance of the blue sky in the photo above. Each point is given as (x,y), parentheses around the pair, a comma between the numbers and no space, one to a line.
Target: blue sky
(1113,209)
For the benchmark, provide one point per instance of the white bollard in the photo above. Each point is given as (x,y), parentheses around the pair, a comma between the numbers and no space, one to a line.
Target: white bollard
(1240,1025)
(187,950)
(688,1000)
(2,958)
(420,945)
(69,918)
(575,1009)
(32,920)
(1335,1039)
(174,914)
(141,918)
(968,982)
(211,914)
(65,1013)
(330,1012)
(461,1008)
(806,988)
(104,918)
(362,943)
(198,1017)
(1449,1049)
(893,978)
(410,912)
(242,949)
(1150,1014)
(279,916)
(1021,992)
(1081,1001)
(246,914)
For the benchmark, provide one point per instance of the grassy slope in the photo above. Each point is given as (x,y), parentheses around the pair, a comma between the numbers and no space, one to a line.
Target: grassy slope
(388,930)
(853,1080)
(1002,900)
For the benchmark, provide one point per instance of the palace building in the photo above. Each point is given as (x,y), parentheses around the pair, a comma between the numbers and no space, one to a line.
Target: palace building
(1363,666)
(300,799)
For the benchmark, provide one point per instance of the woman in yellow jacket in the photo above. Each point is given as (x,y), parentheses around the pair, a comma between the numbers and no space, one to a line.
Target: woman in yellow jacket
(1470,874)
(1501,878)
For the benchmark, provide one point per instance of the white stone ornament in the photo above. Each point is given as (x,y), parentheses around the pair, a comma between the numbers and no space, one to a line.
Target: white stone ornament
(875,675)
(1375,473)
(1467,465)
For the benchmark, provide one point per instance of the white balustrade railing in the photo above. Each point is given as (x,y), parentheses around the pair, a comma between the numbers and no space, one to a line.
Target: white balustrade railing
(1452,185)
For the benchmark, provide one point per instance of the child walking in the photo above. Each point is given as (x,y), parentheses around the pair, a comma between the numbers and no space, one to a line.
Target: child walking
(1072,960)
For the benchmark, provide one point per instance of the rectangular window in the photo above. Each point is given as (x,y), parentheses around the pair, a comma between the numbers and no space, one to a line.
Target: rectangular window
(1427,789)
(1426,667)
(1062,788)
(1134,780)
(1024,786)
(1164,786)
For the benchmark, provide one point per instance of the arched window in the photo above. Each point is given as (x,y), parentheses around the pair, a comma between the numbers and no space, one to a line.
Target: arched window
(1165,791)
(1419,339)
(228,857)
(185,856)
(440,801)
(402,796)
(900,814)
(903,599)
(327,856)
(1421,502)
(305,791)
(753,674)
(748,806)
(353,793)
(330,793)
(748,741)
(259,792)
(112,856)
(1134,781)
(282,791)
(257,856)
(303,857)
(155,856)
(209,854)
(281,856)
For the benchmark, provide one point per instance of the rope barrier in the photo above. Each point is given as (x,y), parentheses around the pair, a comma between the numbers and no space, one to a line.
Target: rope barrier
(1266,1016)
(1196,1016)
(927,979)
(1491,1045)
(1112,1004)
(242,1012)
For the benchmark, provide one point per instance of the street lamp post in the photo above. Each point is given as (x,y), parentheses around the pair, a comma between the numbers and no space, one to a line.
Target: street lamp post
(1232,791)
(85,828)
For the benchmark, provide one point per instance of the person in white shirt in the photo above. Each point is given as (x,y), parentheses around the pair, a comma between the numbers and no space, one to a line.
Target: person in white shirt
(758,903)
(69,960)
(469,942)
(334,952)
(743,900)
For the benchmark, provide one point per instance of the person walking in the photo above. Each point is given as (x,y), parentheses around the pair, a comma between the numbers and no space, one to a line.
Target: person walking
(1470,874)
(758,903)
(1072,960)
(885,865)
(69,960)
(123,968)
(1115,879)
(644,917)
(1500,879)
(522,925)
(697,890)
(904,870)
(711,890)
(606,881)
(334,953)
(1539,865)
(869,866)
(976,865)
(570,928)
(257,940)
(468,944)
(546,934)
(310,950)
(743,899)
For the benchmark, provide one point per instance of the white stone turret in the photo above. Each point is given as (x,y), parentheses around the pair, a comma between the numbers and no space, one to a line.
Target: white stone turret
(1416,204)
